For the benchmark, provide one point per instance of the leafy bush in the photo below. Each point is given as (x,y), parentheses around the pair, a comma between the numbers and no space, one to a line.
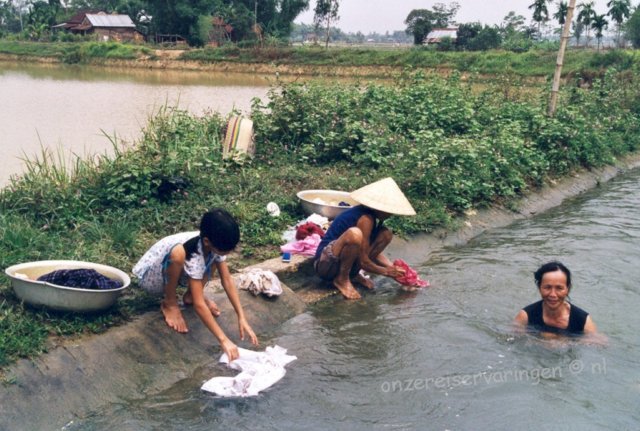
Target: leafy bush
(620,59)
(456,146)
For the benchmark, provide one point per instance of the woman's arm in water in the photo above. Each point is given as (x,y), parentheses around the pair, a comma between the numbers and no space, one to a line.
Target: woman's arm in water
(591,335)
(521,321)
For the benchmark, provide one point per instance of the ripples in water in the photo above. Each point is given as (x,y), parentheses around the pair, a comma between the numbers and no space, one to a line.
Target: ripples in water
(445,357)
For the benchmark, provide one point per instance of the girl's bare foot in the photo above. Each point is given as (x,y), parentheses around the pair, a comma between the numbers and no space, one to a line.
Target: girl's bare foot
(364,281)
(188,300)
(346,289)
(173,317)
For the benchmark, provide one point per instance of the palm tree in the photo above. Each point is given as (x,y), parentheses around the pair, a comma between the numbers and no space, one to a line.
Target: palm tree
(540,12)
(578,28)
(586,15)
(561,13)
(619,10)
(599,23)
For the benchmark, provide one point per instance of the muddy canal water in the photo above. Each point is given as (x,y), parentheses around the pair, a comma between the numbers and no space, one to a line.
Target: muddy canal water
(445,358)
(72,108)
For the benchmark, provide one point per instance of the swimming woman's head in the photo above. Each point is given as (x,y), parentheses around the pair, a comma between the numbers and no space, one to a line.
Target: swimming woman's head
(551,267)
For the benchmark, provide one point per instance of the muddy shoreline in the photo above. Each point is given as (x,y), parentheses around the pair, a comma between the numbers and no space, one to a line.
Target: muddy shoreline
(167,60)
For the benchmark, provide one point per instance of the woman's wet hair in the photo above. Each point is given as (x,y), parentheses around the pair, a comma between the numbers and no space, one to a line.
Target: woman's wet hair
(551,267)
(220,228)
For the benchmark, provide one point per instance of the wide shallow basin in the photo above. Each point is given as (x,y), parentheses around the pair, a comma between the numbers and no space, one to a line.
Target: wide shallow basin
(325,202)
(62,298)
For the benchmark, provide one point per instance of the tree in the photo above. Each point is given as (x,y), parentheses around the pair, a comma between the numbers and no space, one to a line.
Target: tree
(443,14)
(540,13)
(286,12)
(104,5)
(619,10)
(180,17)
(41,17)
(515,35)
(466,33)
(512,23)
(599,24)
(135,9)
(474,37)
(578,29)
(585,17)
(632,28)
(419,23)
(561,13)
(325,13)
(487,38)
(10,17)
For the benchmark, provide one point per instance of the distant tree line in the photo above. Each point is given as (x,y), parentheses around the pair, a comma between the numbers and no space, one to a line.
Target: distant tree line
(191,19)
(514,34)
(272,20)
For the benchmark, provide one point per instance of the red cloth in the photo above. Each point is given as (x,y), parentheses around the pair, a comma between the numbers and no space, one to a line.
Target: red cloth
(308,228)
(410,277)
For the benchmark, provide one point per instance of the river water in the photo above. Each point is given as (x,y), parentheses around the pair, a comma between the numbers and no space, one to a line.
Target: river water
(70,109)
(445,358)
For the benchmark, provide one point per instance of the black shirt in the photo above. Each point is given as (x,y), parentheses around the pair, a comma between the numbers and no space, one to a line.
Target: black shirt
(577,319)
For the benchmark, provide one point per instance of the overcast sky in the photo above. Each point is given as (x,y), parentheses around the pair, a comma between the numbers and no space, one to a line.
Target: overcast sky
(389,15)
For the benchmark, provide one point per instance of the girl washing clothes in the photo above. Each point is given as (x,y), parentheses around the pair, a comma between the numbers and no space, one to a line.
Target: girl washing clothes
(191,259)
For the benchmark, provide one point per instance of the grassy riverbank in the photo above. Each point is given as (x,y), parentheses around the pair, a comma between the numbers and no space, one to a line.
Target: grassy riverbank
(538,62)
(451,149)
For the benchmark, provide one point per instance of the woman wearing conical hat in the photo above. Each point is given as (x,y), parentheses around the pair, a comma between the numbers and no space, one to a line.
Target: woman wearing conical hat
(357,238)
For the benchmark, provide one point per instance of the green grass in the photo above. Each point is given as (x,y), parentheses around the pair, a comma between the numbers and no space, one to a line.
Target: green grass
(75,52)
(537,62)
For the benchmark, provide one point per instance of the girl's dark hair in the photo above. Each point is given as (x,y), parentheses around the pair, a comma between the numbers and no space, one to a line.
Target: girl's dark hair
(220,228)
(551,267)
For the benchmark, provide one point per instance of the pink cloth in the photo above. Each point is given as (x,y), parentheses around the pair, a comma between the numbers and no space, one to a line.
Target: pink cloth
(305,247)
(308,228)
(410,277)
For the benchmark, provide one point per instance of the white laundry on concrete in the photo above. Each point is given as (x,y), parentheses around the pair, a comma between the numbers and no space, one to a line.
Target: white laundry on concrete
(259,370)
(321,221)
(258,280)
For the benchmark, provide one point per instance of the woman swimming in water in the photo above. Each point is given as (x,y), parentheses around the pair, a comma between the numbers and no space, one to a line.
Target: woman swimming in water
(554,313)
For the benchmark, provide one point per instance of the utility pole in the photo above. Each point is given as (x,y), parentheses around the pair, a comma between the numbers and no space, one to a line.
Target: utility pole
(560,61)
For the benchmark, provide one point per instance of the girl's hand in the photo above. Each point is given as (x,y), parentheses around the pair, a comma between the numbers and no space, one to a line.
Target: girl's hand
(244,326)
(230,349)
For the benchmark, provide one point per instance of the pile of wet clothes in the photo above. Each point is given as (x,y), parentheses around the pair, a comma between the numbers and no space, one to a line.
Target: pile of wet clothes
(83,278)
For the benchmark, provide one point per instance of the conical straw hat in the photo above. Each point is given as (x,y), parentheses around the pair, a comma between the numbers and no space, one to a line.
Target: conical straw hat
(385,196)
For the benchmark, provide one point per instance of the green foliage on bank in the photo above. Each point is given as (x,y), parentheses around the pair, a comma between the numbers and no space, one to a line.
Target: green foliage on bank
(451,148)
(536,62)
(75,52)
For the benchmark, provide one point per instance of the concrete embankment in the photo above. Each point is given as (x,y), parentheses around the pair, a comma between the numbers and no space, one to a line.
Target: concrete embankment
(145,357)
